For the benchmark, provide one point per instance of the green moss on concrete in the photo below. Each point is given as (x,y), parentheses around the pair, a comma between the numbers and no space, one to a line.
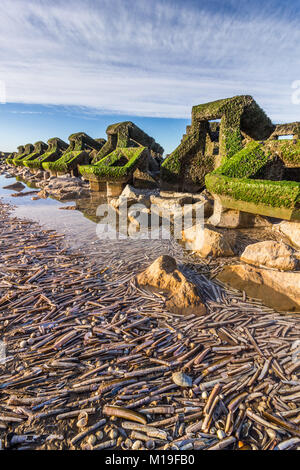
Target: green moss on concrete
(272,193)
(188,164)
(28,149)
(63,164)
(245,163)
(39,148)
(290,152)
(238,114)
(235,180)
(37,163)
(111,168)
(125,135)
(54,152)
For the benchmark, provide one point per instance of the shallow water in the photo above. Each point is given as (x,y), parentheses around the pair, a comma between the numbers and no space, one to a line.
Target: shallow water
(81,226)
(270,297)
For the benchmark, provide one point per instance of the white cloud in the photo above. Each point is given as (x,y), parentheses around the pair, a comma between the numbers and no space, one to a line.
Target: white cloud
(145,58)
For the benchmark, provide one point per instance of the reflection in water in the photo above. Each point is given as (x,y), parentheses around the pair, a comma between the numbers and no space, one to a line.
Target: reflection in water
(80,231)
(270,297)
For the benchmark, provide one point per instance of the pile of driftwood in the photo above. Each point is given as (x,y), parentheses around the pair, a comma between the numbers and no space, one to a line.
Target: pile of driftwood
(92,361)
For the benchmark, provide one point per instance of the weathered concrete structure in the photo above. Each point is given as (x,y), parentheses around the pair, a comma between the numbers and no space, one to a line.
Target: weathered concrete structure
(263,178)
(239,159)
(23,151)
(4,155)
(128,155)
(206,144)
(127,134)
(55,149)
(38,149)
(115,170)
(81,150)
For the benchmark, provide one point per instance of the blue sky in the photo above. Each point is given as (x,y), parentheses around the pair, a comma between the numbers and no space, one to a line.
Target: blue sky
(77,65)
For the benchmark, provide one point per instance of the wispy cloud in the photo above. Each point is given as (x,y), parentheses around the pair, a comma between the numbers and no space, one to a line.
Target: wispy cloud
(146,58)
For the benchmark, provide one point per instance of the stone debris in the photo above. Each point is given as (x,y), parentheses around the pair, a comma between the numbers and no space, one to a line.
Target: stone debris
(271,254)
(165,275)
(209,241)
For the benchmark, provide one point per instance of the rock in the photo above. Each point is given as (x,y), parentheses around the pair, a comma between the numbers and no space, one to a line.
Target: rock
(171,203)
(265,284)
(131,195)
(181,379)
(163,274)
(271,254)
(28,193)
(15,186)
(43,194)
(209,242)
(291,230)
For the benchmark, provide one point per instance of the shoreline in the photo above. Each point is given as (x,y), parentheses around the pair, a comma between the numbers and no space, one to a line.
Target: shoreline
(81,335)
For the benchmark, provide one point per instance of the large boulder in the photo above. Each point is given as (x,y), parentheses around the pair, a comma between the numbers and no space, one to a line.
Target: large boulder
(279,289)
(183,297)
(291,230)
(208,241)
(271,254)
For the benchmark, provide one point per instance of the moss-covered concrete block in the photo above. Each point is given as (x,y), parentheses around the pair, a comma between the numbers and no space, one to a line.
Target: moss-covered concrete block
(208,144)
(127,134)
(55,149)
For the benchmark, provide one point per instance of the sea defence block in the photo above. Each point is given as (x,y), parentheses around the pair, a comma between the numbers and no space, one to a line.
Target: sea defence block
(56,147)
(81,150)
(23,151)
(127,134)
(39,148)
(115,170)
(208,143)
(247,181)
(11,156)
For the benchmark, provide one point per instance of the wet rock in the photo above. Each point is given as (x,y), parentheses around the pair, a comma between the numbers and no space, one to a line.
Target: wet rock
(208,241)
(130,196)
(265,284)
(183,296)
(291,230)
(171,203)
(43,194)
(271,254)
(181,379)
(15,186)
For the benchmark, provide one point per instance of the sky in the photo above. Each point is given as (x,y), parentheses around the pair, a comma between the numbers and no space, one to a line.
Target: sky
(78,65)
